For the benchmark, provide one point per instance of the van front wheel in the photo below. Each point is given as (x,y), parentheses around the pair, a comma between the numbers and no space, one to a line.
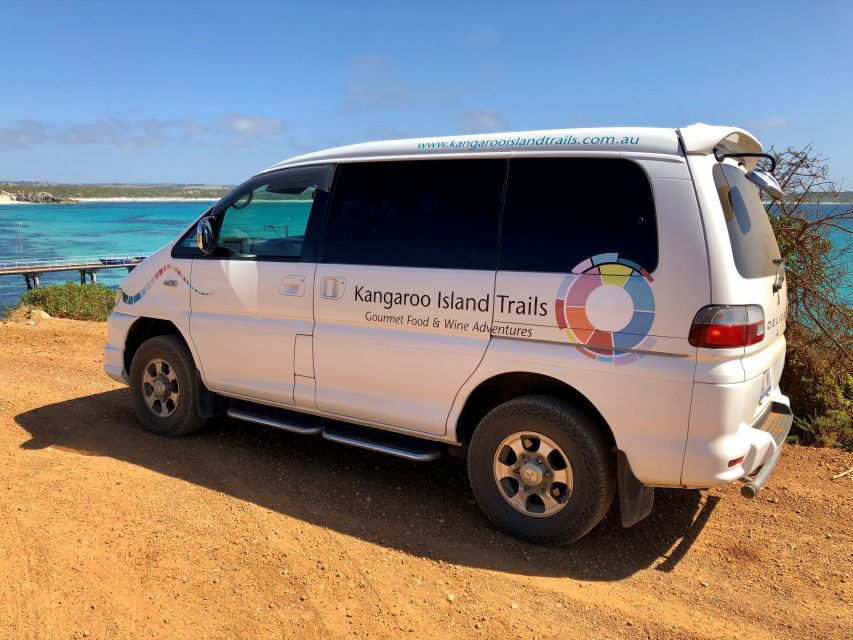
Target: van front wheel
(162,380)
(541,470)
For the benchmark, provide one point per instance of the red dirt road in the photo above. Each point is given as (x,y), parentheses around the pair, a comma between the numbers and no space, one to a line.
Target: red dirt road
(238,532)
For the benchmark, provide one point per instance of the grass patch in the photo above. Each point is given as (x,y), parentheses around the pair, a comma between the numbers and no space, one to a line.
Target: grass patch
(74,301)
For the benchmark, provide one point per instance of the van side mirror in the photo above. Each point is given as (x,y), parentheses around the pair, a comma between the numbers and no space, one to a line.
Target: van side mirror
(204,236)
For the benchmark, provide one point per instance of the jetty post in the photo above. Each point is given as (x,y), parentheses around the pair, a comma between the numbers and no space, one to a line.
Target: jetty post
(32,280)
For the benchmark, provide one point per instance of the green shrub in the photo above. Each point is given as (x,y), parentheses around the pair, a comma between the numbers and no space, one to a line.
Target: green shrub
(75,301)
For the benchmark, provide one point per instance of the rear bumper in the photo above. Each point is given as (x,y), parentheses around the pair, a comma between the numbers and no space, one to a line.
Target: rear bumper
(777,422)
(721,448)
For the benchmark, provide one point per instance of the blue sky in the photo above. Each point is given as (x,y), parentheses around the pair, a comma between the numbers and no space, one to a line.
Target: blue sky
(212,91)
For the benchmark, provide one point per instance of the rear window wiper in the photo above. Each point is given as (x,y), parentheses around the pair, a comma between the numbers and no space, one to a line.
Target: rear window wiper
(762,179)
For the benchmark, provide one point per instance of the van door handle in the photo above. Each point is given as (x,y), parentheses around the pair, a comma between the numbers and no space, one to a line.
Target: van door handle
(332,288)
(292,286)
(170,283)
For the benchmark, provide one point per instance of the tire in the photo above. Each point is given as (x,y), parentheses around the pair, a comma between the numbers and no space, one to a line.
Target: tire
(581,472)
(178,413)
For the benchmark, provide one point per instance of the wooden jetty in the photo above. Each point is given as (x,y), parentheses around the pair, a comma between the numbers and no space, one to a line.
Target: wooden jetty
(33,269)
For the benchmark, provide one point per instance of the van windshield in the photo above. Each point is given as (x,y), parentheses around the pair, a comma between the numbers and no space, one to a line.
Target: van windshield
(753,243)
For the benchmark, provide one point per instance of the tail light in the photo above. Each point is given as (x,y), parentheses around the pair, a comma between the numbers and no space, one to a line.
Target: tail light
(726,327)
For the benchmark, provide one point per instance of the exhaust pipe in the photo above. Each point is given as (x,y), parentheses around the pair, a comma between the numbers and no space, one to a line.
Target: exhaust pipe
(756,482)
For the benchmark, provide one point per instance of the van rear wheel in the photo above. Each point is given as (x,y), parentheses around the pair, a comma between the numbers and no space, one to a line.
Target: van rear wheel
(541,470)
(162,380)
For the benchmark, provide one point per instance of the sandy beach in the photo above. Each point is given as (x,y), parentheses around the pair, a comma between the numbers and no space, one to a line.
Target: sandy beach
(6,198)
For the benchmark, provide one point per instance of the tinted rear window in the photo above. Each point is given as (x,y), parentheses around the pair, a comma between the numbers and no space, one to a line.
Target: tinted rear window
(753,243)
(420,213)
(560,211)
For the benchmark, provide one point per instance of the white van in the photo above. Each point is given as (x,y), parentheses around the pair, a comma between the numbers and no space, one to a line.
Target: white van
(581,313)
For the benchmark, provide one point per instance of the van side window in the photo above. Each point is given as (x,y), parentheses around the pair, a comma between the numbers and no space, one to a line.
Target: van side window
(420,213)
(274,216)
(560,211)
(271,217)
(266,223)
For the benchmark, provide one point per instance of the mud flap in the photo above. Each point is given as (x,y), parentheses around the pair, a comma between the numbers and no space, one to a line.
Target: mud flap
(208,404)
(635,499)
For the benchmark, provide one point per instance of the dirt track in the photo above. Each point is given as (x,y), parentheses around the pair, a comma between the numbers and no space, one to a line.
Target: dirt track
(240,532)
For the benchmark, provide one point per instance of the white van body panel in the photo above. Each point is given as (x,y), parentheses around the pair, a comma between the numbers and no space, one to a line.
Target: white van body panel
(680,414)
(418,355)
(654,379)
(731,393)
(245,318)
(157,288)
(647,409)
(609,142)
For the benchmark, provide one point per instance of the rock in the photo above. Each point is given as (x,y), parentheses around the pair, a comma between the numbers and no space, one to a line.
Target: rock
(514,605)
(451,597)
(38,314)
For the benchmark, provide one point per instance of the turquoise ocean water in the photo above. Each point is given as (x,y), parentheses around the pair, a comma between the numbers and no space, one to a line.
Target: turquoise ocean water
(98,228)
(90,228)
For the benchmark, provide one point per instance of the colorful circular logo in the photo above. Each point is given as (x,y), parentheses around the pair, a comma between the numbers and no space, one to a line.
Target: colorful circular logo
(607,308)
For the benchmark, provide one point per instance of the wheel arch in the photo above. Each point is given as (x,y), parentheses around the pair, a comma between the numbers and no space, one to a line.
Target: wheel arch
(503,387)
(145,328)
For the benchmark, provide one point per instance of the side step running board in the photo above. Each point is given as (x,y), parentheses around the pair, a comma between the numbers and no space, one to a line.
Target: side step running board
(307,429)
(418,454)
(393,444)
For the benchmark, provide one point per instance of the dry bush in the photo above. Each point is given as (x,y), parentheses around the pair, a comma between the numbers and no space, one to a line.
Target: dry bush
(815,239)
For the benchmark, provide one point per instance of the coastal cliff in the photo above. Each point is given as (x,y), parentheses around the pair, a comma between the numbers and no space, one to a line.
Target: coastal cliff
(49,192)
(40,197)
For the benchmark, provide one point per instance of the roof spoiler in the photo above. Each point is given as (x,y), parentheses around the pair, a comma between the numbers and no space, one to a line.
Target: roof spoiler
(731,142)
(722,141)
